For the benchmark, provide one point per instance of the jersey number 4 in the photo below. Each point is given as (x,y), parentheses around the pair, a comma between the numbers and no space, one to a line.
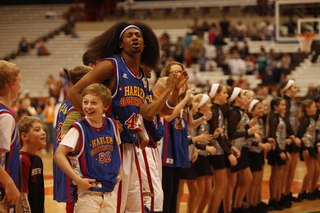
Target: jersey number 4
(131,122)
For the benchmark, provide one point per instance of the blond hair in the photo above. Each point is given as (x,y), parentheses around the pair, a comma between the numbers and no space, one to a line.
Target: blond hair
(8,72)
(78,72)
(25,124)
(98,90)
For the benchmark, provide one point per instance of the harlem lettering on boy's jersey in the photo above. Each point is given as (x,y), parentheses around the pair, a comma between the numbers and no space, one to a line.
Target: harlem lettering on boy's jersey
(98,155)
(128,95)
(62,184)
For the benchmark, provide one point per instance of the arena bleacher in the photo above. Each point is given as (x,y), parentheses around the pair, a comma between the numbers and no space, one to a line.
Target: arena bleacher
(65,51)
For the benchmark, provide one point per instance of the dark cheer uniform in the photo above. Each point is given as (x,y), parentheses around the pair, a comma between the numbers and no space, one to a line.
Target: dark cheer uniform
(31,180)
(219,159)
(307,129)
(98,156)
(277,131)
(62,184)
(10,162)
(291,118)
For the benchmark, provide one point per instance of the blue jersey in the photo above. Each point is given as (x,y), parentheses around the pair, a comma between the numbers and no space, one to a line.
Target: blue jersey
(128,96)
(175,151)
(62,184)
(154,128)
(98,154)
(11,158)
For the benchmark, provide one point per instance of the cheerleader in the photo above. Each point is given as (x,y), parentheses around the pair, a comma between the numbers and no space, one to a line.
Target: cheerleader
(308,136)
(256,161)
(288,90)
(224,150)
(317,116)
(175,154)
(239,129)
(277,129)
(203,104)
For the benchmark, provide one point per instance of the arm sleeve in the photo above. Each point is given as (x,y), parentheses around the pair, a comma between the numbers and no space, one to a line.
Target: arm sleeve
(233,119)
(286,119)
(214,121)
(71,139)
(273,123)
(7,125)
(72,117)
(304,123)
(200,146)
(26,165)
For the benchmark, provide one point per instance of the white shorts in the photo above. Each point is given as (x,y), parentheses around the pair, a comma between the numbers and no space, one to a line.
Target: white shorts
(95,202)
(129,192)
(151,179)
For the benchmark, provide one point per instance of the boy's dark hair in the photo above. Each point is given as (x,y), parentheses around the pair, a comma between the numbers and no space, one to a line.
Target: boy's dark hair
(87,58)
(107,44)
(78,72)
(98,90)
(25,124)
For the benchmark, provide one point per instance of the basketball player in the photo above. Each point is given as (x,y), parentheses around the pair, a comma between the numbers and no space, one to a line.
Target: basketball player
(122,49)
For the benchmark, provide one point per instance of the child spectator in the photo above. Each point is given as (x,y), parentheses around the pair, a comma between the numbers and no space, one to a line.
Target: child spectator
(9,144)
(48,113)
(96,174)
(32,138)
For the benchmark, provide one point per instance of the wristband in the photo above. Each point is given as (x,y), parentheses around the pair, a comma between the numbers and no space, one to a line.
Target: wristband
(138,129)
(170,106)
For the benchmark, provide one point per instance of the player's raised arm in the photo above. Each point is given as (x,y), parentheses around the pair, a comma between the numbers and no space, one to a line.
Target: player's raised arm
(103,70)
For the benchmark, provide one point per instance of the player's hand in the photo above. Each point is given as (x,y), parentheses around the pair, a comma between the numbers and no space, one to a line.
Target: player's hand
(217,132)
(305,154)
(189,92)
(12,194)
(211,149)
(205,137)
(235,151)
(195,155)
(85,183)
(161,84)
(171,81)
(142,140)
(181,79)
(283,156)
(120,126)
(207,116)
(232,159)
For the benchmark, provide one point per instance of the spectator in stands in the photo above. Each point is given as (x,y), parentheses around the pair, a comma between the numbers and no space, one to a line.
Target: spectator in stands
(225,27)
(41,48)
(286,62)
(244,50)
(50,13)
(23,46)
(212,33)
(254,32)
(178,53)
(202,59)
(262,6)
(48,113)
(51,83)
(205,26)
(194,49)
(292,27)
(196,77)
(312,92)
(210,51)
(234,48)
(267,78)
(275,68)
(240,30)
(262,60)
(237,65)
(268,30)
(187,58)
(230,80)
(39,110)
(187,39)
(250,68)
(210,65)
(200,40)
(265,95)
(195,26)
